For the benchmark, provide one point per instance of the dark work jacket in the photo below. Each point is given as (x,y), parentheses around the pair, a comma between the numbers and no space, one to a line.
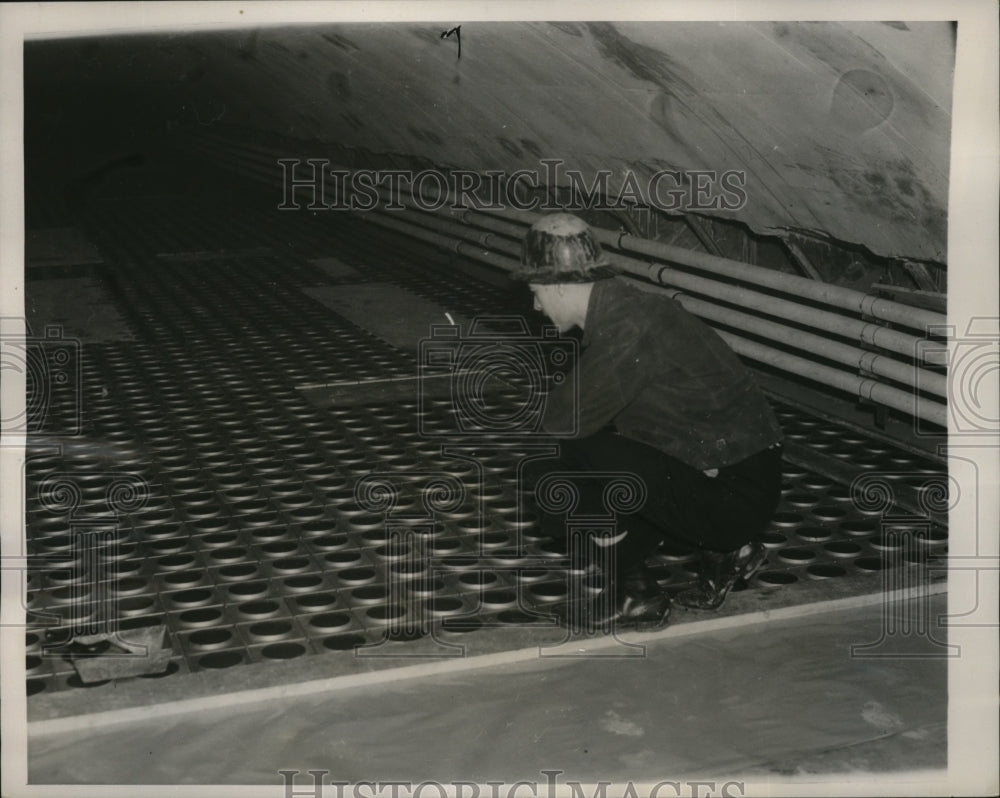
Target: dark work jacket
(662,377)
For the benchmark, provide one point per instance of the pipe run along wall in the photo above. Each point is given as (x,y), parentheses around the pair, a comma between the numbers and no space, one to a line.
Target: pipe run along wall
(870,353)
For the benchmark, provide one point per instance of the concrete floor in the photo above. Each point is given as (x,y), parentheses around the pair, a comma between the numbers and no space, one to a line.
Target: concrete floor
(762,704)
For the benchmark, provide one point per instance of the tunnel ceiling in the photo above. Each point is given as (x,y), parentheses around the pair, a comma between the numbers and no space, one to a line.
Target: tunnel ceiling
(843,130)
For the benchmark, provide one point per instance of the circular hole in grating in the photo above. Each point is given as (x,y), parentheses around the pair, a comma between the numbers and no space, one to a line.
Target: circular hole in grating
(342,558)
(210,518)
(828,513)
(200,617)
(292,564)
(356,576)
(932,537)
(303,583)
(843,548)
(458,563)
(245,589)
(322,530)
(838,493)
(498,598)
(801,499)
(221,659)
(181,578)
(470,526)
(825,571)
(268,533)
(787,519)
(216,540)
(279,548)
(858,528)
(385,612)
(175,561)
(871,563)
(231,554)
(393,551)
(425,587)
(305,514)
(773,539)
(316,601)
(461,625)
(776,578)
(57,543)
(210,638)
(168,545)
(892,541)
(366,521)
(444,605)
(259,609)
(531,574)
(283,651)
(35,686)
(491,540)
(129,585)
(370,594)
(478,579)
(264,518)
(270,630)
(549,591)
(238,572)
(813,533)
(329,621)
(445,546)
(136,605)
(796,555)
(192,597)
(251,506)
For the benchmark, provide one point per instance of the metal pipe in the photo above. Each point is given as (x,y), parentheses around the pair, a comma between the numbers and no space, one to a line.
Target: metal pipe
(860,331)
(859,359)
(863,387)
(418,221)
(837,296)
(872,390)
(864,332)
(443,241)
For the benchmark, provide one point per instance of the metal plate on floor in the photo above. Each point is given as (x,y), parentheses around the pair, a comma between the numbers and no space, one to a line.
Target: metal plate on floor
(397,316)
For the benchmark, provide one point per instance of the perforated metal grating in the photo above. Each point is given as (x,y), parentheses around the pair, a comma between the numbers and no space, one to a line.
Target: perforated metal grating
(204,492)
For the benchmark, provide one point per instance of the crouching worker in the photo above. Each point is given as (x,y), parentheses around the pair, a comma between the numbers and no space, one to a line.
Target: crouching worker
(661,396)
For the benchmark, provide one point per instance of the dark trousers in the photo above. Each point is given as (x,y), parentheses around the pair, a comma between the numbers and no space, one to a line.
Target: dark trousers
(683,505)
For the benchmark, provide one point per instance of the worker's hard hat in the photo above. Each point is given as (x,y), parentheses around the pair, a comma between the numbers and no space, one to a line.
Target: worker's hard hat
(561,248)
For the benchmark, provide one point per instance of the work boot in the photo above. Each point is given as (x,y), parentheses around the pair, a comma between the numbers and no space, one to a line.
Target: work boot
(633,600)
(718,573)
